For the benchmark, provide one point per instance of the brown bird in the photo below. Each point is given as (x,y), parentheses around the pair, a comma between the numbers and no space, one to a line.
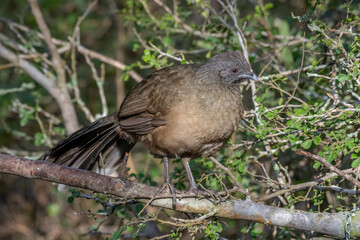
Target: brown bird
(185,111)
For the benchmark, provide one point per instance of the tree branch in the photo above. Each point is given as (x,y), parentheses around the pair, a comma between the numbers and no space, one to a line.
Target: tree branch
(69,113)
(56,59)
(329,166)
(314,183)
(63,100)
(331,224)
(83,50)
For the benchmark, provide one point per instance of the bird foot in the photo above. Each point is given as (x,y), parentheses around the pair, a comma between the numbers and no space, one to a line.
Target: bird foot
(172,191)
(208,194)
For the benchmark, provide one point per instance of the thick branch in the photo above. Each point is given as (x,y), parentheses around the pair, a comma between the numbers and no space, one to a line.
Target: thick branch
(331,224)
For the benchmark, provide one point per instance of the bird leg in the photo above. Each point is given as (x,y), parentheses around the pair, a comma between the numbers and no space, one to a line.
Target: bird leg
(167,182)
(123,169)
(193,187)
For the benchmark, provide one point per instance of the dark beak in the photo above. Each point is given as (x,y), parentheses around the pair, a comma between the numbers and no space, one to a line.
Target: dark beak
(249,75)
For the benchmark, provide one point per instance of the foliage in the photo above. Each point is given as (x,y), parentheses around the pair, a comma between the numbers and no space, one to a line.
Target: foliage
(308,98)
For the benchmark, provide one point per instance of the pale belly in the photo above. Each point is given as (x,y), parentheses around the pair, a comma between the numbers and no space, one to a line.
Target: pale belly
(190,132)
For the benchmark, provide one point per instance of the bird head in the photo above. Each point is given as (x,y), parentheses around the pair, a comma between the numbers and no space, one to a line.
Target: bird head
(228,67)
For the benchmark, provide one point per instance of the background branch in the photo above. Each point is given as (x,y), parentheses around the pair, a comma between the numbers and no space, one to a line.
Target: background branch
(82,49)
(63,100)
(69,113)
(329,166)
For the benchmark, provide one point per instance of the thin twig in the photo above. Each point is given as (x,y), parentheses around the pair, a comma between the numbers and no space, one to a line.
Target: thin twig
(80,48)
(290,72)
(100,83)
(236,182)
(302,186)
(328,165)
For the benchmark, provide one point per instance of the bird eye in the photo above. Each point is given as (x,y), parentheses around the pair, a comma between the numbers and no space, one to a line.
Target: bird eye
(234,70)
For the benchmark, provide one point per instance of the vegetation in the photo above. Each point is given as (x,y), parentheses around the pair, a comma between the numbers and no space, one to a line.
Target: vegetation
(301,124)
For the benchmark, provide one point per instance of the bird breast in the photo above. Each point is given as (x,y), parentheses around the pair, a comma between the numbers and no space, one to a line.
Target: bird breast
(199,125)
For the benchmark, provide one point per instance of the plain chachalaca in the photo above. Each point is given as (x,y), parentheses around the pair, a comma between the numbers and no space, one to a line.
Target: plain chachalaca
(183,111)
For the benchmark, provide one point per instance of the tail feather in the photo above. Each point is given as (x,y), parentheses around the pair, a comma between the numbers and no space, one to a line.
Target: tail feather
(86,156)
(98,147)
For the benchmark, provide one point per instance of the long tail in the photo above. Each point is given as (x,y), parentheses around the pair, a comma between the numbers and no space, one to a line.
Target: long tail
(98,147)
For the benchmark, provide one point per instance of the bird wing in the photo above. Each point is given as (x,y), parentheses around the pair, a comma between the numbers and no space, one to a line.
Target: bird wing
(145,107)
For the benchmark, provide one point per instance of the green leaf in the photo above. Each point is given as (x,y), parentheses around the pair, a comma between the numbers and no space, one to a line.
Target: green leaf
(241,168)
(24,120)
(135,46)
(306,144)
(313,27)
(317,140)
(26,116)
(355,72)
(268,6)
(284,28)
(342,77)
(258,10)
(53,209)
(303,18)
(355,163)
(316,165)
(281,101)
(208,55)
(75,194)
(287,56)
(39,137)
(167,41)
(116,235)
(139,207)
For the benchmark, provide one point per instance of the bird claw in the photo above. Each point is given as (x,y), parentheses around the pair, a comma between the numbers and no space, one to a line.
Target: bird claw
(208,194)
(172,191)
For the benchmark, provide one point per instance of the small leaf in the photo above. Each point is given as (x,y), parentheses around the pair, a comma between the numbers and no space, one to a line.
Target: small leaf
(258,9)
(281,101)
(316,165)
(313,27)
(317,140)
(342,77)
(24,120)
(241,168)
(39,137)
(268,6)
(53,209)
(355,163)
(139,207)
(306,144)
(355,72)
(167,41)
(208,55)
(75,194)
(135,47)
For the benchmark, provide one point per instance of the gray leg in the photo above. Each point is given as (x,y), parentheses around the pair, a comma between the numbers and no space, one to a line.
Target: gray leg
(124,165)
(166,170)
(167,182)
(191,179)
